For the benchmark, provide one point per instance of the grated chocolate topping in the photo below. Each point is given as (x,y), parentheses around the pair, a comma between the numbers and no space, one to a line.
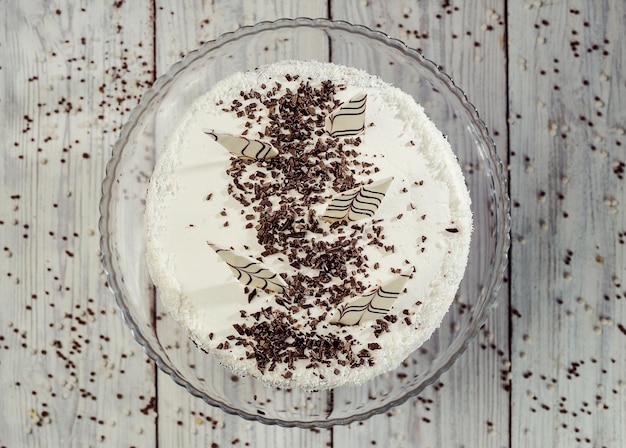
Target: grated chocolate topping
(310,168)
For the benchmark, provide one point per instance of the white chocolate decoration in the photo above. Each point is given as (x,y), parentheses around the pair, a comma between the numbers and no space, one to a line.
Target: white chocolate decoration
(243,147)
(349,118)
(372,305)
(358,203)
(249,271)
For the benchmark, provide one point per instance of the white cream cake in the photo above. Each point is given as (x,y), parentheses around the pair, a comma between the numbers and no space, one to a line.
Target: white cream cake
(307,225)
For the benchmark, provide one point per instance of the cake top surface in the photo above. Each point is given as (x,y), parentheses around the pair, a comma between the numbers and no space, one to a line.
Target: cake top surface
(219,223)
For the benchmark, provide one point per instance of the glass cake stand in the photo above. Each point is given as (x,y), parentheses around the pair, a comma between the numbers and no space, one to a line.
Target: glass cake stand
(143,138)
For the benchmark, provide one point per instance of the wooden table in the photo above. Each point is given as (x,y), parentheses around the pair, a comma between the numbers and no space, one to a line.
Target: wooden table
(549,367)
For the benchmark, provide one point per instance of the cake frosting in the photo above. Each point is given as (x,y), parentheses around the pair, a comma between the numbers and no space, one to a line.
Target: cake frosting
(307,225)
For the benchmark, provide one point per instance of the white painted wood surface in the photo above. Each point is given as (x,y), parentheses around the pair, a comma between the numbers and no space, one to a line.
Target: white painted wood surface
(567,97)
(548,81)
(432,29)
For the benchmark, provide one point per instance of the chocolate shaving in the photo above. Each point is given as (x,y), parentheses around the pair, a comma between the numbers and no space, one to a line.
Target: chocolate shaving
(311,167)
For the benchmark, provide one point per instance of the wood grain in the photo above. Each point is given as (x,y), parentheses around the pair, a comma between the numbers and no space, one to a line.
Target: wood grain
(567,121)
(68,365)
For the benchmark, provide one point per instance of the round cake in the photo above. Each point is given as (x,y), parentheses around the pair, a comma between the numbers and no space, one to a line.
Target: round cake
(307,225)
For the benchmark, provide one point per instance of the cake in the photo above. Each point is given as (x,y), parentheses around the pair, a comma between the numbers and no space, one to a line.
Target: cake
(307,225)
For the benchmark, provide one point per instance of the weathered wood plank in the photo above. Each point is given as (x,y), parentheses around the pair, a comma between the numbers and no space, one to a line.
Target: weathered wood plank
(467,43)
(183,419)
(567,161)
(69,368)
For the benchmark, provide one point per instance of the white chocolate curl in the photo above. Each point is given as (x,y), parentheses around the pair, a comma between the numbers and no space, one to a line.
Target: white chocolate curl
(243,147)
(249,271)
(349,118)
(372,305)
(358,203)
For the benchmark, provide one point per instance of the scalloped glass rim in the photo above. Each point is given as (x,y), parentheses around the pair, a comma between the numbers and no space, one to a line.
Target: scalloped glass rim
(494,162)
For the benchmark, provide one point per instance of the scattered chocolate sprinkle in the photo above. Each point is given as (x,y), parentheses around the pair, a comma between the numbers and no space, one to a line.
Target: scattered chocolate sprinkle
(310,168)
